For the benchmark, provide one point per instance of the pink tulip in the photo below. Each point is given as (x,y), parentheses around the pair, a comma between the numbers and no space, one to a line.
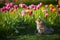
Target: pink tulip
(46,15)
(22,5)
(3,9)
(33,6)
(7,4)
(23,12)
(15,6)
(28,8)
(8,8)
(11,4)
(40,4)
(46,6)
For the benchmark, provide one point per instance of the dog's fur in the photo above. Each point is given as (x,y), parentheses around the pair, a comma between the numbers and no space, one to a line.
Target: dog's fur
(42,28)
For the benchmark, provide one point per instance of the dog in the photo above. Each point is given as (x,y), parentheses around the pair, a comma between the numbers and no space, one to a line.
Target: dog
(42,28)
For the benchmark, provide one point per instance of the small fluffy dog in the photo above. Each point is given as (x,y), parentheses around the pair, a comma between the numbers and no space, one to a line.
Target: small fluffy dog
(42,28)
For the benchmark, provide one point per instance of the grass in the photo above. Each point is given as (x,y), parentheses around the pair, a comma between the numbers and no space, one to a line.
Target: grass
(36,37)
(41,37)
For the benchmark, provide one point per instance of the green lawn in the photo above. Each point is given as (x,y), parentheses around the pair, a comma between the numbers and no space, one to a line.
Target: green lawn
(36,37)
(41,37)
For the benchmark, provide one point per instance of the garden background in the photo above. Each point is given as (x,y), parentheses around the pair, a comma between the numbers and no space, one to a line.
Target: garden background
(14,26)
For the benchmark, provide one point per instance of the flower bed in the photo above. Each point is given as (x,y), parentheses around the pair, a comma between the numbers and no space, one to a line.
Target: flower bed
(13,16)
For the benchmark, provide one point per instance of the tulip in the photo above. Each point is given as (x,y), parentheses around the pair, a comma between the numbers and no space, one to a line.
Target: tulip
(33,6)
(46,15)
(8,8)
(29,12)
(45,11)
(46,6)
(40,4)
(58,6)
(11,9)
(53,10)
(8,5)
(11,4)
(3,9)
(15,6)
(28,8)
(22,5)
(50,9)
(42,8)
(23,12)
(51,6)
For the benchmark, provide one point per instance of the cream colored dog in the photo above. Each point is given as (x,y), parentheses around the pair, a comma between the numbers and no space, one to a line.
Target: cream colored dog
(42,28)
